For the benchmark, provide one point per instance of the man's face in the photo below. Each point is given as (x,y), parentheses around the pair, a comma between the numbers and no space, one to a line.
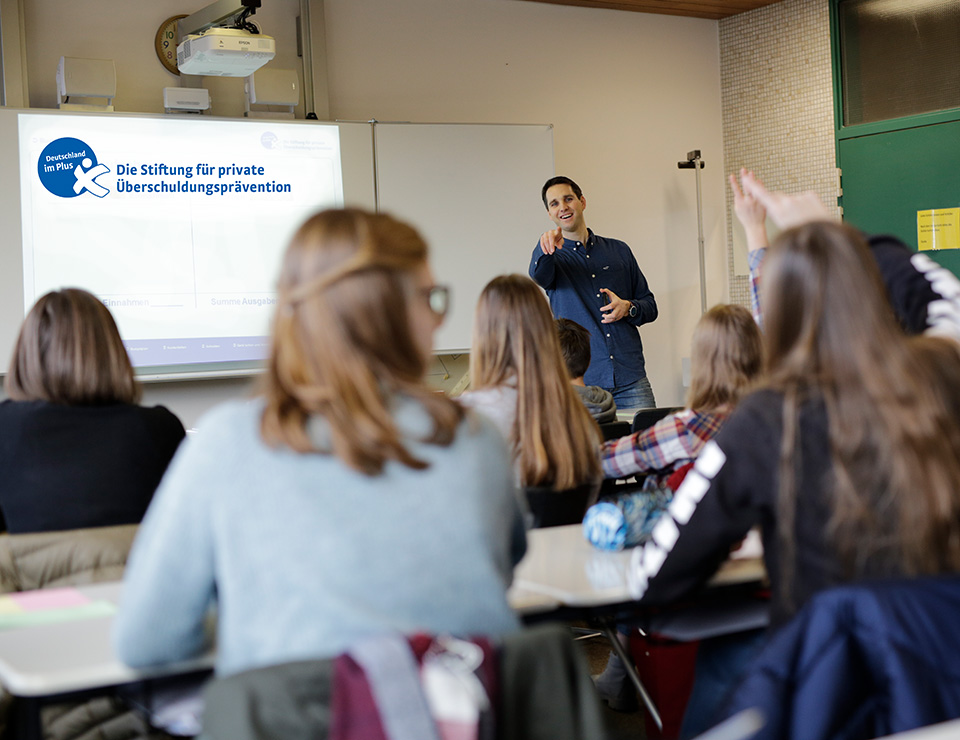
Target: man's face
(564,208)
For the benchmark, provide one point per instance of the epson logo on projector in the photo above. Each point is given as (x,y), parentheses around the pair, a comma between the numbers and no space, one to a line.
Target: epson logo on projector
(68,167)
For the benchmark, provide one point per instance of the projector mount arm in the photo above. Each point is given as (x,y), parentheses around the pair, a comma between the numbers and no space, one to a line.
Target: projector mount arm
(221,14)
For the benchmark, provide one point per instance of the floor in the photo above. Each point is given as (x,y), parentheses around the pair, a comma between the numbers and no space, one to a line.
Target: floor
(620,726)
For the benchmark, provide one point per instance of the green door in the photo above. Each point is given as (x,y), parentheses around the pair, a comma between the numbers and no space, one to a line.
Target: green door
(896,71)
(890,175)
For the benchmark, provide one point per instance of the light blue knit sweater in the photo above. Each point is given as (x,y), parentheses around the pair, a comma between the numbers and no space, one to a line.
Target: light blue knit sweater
(304,556)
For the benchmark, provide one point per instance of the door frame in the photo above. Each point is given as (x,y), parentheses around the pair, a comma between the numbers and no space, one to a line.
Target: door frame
(842,131)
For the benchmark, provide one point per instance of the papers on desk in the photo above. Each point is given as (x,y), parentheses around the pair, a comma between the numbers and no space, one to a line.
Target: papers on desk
(30,608)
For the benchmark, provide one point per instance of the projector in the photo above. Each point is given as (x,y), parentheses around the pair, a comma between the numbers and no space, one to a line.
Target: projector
(224,52)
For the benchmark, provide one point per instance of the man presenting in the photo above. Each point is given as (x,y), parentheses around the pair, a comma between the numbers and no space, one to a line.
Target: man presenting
(596,282)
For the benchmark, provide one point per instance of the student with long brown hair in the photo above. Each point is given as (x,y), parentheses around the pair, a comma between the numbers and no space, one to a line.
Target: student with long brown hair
(76,449)
(349,500)
(847,457)
(519,379)
(726,357)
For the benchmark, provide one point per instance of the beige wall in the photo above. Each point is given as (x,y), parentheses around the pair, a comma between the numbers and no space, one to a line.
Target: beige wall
(124,31)
(628,94)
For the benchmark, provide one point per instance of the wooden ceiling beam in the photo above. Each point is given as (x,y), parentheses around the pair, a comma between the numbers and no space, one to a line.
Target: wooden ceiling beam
(709,9)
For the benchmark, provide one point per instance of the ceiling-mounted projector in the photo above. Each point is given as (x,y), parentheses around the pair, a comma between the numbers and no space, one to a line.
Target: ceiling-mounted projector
(224,52)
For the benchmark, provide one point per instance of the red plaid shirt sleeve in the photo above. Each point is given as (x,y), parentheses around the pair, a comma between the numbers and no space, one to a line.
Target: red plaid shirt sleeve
(670,442)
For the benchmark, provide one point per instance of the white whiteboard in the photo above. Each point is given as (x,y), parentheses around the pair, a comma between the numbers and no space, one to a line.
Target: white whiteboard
(473,191)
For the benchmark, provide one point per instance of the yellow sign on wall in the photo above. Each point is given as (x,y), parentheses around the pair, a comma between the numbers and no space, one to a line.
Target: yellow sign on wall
(938,228)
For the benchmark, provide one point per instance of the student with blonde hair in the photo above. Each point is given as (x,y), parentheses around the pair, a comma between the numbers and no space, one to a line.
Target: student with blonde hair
(519,379)
(348,500)
(726,357)
(76,449)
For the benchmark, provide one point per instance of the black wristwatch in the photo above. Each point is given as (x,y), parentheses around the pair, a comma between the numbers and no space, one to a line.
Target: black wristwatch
(632,313)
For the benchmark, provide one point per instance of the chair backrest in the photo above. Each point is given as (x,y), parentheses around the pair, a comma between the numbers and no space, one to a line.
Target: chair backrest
(615,429)
(73,557)
(646,418)
(68,558)
(551,508)
(542,676)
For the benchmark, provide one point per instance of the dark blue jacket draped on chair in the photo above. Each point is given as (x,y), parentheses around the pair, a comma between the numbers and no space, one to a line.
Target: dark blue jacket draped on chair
(861,661)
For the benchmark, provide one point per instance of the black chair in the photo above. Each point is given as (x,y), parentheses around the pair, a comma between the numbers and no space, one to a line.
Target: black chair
(646,418)
(544,682)
(613,488)
(551,508)
(615,430)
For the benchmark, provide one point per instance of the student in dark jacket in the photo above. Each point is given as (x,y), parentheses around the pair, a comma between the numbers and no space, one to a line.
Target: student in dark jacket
(848,457)
(76,450)
(575,347)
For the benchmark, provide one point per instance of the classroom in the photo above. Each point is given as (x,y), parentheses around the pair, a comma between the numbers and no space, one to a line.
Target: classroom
(628,96)
(639,92)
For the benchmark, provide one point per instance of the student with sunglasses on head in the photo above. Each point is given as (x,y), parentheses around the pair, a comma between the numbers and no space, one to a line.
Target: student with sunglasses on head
(348,500)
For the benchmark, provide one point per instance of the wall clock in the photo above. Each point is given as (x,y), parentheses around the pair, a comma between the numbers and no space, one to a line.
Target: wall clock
(165,43)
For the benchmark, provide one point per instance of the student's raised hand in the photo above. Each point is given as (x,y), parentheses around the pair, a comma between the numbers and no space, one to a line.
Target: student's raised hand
(786,210)
(616,309)
(750,213)
(551,241)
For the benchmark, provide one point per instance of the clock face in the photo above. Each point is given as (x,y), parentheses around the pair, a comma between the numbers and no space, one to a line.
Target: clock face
(166,43)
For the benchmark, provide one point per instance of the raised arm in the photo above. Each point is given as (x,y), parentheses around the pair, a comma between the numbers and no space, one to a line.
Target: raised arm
(786,210)
(753,217)
(755,260)
(751,204)
(750,213)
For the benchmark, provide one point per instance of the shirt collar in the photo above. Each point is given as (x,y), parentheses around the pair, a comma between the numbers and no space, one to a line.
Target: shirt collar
(587,244)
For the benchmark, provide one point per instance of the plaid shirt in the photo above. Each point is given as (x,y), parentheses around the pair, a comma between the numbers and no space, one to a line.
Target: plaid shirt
(659,450)
(755,260)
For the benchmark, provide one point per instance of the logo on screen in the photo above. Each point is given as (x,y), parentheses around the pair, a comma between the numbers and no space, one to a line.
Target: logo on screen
(269,140)
(68,167)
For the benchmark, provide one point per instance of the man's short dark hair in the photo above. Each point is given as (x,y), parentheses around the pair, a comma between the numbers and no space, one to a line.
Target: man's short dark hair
(575,346)
(559,180)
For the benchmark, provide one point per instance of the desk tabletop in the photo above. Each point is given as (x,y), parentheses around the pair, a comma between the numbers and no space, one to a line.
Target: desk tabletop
(48,659)
(560,569)
(561,564)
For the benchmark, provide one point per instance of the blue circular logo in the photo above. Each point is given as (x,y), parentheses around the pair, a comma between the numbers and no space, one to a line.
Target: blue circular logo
(269,140)
(68,167)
